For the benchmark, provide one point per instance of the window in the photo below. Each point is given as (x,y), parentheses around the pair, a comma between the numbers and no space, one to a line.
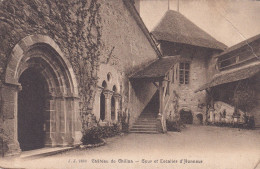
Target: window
(184,71)
(113,111)
(224,63)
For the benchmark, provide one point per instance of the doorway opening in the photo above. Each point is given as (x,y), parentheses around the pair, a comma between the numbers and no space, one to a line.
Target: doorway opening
(31,104)
(186,116)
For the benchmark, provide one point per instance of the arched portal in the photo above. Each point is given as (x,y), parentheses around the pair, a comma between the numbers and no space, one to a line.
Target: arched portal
(38,75)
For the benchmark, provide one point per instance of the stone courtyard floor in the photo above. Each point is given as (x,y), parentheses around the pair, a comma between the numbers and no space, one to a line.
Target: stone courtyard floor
(202,146)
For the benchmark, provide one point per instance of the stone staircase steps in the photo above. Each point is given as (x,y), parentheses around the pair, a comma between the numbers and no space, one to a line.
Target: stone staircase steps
(144,127)
(145,132)
(146,123)
(146,120)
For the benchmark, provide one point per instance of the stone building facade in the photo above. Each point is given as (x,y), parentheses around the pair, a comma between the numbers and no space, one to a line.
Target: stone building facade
(60,61)
(176,35)
(66,66)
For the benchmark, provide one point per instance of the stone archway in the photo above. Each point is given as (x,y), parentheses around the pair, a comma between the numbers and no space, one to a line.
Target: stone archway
(40,55)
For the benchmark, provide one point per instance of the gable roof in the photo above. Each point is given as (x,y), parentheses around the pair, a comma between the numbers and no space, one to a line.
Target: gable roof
(158,69)
(232,76)
(241,44)
(174,27)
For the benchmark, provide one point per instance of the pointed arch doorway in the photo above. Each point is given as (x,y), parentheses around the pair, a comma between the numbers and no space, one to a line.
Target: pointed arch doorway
(43,102)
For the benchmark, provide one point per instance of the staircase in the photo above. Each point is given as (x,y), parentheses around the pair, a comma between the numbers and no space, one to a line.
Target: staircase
(146,123)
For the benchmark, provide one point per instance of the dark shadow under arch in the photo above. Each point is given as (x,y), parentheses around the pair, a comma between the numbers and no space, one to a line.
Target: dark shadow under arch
(31,103)
(113,112)
(186,116)
(102,107)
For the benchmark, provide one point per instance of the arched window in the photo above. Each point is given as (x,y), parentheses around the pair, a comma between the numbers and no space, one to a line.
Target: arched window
(104,84)
(114,89)
(102,102)
(113,111)
(102,106)
(113,102)
(109,77)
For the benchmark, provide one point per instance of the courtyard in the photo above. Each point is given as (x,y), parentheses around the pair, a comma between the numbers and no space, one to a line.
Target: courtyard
(194,147)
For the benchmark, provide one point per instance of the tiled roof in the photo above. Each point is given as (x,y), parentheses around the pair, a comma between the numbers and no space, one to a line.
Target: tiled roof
(174,27)
(157,69)
(241,44)
(232,76)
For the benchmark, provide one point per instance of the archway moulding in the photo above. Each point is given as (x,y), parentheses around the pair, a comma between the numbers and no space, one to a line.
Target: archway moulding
(19,50)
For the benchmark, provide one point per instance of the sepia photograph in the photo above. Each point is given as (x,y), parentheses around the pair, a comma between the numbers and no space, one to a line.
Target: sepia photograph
(134,84)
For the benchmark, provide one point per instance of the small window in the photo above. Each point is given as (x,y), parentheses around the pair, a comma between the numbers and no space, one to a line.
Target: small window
(184,73)
(114,89)
(228,62)
(109,76)
(104,84)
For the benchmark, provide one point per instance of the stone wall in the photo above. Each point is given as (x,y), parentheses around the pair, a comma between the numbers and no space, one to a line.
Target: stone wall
(97,37)
(73,25)
(198,58)
(125,49)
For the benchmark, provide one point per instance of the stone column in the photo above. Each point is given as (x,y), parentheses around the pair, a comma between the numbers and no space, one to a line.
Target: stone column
(108,95)
(117,101)
(76,120)
(68,120)
(50,121)
(59,120)
(9,101)
(96,109)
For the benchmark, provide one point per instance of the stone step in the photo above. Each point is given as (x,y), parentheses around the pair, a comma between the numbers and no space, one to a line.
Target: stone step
(44,152)
(146,123)
(145,132)
(148,115)
(144,127)
(153,117)
(146,119)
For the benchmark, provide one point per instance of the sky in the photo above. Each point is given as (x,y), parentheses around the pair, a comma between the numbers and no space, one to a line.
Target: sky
(228,21)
